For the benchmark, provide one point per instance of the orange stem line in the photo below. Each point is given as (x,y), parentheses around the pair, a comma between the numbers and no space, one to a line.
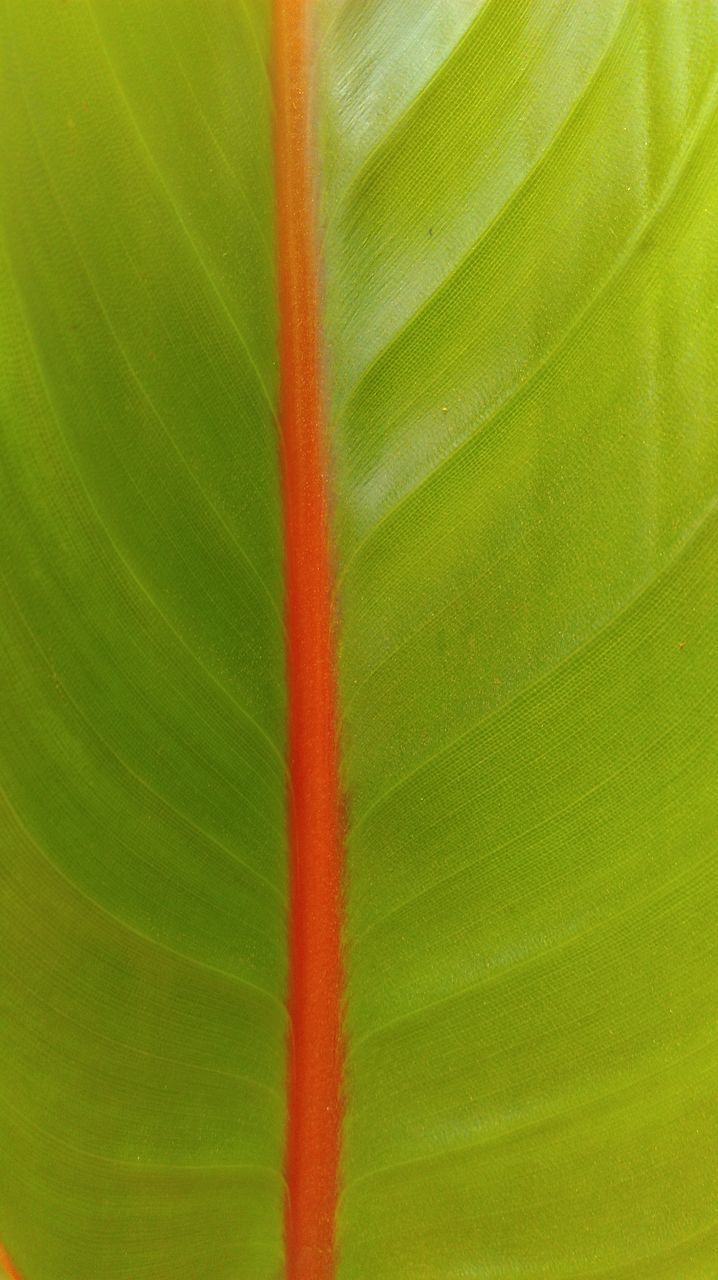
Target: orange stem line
(315,822)
(6,1265)
(315,827)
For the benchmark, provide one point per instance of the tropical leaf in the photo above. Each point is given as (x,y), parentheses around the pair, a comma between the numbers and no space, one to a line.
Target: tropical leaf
(142,750)
(517,221)
(521,270)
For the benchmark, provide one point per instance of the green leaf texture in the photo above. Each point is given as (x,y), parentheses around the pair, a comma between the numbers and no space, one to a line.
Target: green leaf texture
(141,749)
(519,237)
(521,259)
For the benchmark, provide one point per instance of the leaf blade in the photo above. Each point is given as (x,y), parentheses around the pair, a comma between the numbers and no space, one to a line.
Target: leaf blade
(523,405)
(143,761)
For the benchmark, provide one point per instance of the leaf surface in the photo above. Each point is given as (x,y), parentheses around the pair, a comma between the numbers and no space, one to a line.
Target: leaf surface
(519,230)
(143,777)
(517,239)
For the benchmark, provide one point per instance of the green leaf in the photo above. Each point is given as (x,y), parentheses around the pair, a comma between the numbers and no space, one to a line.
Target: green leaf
(518,220)
(521,262)
(143,887)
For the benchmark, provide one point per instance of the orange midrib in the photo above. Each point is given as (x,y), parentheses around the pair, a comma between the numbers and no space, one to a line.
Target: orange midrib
(6,1266)
(315,983)
(315,829)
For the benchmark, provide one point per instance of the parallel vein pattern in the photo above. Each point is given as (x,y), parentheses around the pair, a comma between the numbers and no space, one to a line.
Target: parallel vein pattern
(142,856)
(520,240)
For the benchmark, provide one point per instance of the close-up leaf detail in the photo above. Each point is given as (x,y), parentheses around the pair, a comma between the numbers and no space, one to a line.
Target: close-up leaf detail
(359,639)
(144,862)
